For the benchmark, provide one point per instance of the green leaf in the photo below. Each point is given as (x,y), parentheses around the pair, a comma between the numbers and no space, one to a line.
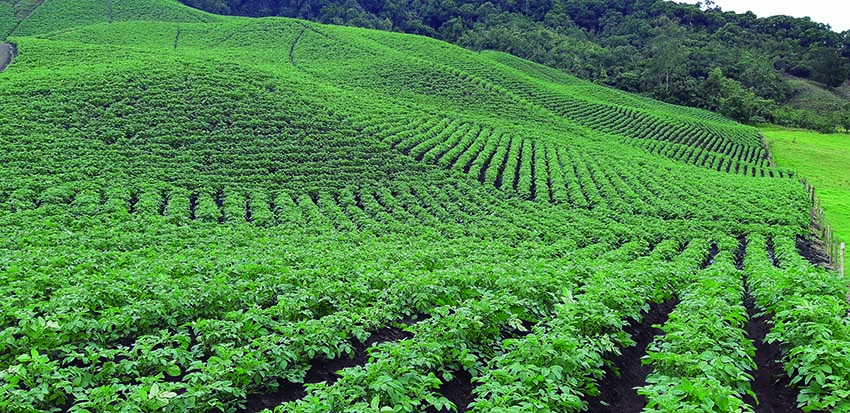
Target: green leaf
(172,370)
(154,391)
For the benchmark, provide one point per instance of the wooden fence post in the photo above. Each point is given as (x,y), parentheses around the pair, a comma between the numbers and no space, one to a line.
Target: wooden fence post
(827,244)
(831,238)
(812,193)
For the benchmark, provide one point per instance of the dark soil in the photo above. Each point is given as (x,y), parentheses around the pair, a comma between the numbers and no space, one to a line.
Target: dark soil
(458,391)
(322,371)
(812,249)
(741,252)
(771,253)
(325,370)
(482,175)
(770,383)
(193,206)
(502,165)
(292,48)
(286,392)
(712,253)
(518,333)
(617,392)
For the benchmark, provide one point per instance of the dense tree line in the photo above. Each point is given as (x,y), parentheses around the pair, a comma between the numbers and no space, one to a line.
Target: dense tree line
(696,55)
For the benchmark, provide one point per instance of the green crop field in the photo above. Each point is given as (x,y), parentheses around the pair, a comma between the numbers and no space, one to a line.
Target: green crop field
(213,214)
(7,18)
(824,160)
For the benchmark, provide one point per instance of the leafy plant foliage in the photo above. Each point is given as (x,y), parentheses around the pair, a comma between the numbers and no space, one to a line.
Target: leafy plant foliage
(198,212)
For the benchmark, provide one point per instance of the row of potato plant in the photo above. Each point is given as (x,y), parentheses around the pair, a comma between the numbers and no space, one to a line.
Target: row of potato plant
(809,311)
(701,362)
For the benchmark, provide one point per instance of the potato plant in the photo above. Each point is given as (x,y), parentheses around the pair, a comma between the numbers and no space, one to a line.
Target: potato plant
(199,212)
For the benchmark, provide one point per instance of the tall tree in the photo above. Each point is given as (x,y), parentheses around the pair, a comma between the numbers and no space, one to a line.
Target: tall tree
(667,49)
(843,117)
(829,67)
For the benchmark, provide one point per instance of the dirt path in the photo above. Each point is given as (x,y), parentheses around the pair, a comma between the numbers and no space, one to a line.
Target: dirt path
(7,52)
(23,13)
(292,48)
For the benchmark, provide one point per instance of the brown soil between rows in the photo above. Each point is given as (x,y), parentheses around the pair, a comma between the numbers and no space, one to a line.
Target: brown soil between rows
(813,250)
(617,392)
(770,383)
(458,390)
(322,371)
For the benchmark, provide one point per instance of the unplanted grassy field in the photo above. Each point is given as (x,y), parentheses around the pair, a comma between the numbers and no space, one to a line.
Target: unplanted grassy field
(824,160)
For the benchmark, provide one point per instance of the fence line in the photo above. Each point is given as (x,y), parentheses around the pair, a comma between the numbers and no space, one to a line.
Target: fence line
(827,232)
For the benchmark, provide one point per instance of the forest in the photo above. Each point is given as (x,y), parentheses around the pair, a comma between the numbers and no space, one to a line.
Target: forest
(690,54)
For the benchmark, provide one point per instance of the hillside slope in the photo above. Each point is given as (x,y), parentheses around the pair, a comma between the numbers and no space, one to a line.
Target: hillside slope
(825,162)
(51,15)
(680,52)
(829,108)
(224,214)
(542,127)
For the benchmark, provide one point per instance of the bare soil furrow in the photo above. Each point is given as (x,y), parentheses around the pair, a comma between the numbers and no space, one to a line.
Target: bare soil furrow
(617,392)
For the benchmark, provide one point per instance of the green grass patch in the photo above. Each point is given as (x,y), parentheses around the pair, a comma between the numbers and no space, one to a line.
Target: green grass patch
(824,160)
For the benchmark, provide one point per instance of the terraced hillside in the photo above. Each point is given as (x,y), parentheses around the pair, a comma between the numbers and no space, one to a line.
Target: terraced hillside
(222,214)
